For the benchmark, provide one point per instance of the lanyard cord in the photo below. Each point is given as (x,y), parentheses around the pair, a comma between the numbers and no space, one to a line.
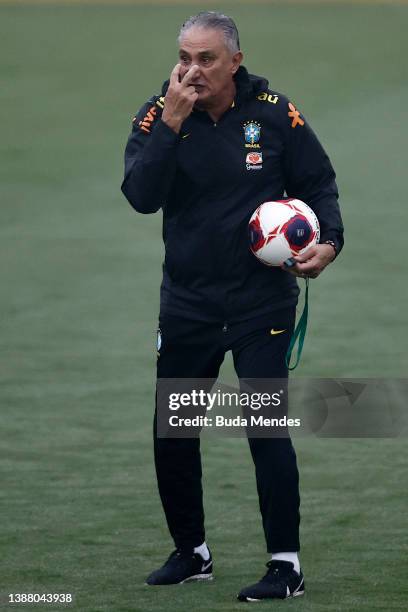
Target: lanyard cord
(299,333)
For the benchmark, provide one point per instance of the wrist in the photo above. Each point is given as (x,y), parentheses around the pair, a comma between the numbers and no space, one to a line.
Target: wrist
(332,245)
(173,123)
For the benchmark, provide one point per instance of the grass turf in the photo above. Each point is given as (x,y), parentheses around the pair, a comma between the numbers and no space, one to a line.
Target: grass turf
(80,276)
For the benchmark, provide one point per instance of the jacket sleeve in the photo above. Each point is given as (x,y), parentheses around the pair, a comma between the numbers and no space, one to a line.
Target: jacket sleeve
(150,159)
(310,176)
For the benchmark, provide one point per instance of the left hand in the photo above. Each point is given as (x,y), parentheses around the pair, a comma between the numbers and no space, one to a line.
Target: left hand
(312,262)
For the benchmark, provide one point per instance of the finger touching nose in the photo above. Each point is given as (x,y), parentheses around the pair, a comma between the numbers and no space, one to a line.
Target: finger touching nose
(192,73)
(182,73)
(195,72)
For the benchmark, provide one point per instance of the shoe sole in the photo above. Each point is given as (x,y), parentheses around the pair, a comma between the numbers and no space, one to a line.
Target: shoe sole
(252,599)
(195,578)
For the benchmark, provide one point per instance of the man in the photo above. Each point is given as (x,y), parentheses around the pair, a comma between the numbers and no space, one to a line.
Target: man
(188,154)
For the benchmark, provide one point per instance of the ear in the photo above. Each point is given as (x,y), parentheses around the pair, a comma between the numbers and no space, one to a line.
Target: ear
(236,61)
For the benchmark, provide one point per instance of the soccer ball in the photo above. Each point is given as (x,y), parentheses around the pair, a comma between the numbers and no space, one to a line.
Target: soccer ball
(278,230)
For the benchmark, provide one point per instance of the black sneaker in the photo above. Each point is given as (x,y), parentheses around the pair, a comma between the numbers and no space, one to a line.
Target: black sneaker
(280,581)
(182,566)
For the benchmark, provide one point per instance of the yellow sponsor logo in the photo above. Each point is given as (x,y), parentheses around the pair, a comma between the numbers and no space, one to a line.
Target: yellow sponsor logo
(265,97)
(160,102)
(274,332)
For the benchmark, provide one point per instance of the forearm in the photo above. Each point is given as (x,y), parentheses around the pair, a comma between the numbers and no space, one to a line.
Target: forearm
(325,204)
(312,179)
(149,171)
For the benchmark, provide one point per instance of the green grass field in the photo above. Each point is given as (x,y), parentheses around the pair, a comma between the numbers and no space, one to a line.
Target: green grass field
(79,286)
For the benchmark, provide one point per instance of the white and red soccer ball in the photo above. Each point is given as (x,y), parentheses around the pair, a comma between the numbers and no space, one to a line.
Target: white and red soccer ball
(279,230)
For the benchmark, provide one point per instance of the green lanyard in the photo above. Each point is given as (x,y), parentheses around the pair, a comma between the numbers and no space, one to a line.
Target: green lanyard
(299,333)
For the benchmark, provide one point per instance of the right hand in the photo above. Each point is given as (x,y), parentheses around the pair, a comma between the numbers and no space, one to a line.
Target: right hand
(180,98)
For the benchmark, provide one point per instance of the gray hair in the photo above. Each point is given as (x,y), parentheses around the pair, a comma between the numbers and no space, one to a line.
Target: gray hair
(215,21)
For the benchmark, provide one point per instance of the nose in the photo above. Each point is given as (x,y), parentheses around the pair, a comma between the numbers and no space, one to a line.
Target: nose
(196,75)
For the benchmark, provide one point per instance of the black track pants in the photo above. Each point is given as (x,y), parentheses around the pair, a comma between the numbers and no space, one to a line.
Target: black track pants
(193,349)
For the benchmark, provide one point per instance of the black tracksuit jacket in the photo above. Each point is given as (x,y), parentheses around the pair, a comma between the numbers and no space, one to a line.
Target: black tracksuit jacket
(208,191)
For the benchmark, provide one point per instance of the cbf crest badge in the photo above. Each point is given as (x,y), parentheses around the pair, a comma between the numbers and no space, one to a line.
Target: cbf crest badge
(252,131)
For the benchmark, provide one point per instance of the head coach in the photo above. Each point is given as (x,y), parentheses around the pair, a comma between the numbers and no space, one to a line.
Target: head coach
(188,155)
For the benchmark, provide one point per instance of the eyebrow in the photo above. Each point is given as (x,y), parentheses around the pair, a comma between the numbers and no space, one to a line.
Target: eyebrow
(206,52)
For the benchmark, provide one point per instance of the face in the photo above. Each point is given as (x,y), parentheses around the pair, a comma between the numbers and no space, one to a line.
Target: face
(206,49)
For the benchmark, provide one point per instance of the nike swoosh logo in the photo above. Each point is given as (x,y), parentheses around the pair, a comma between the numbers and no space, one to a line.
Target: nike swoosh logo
(274,332)
(206,566)
(186,136)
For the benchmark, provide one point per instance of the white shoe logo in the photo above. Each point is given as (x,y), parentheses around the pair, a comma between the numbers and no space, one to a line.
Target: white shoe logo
(206,566)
